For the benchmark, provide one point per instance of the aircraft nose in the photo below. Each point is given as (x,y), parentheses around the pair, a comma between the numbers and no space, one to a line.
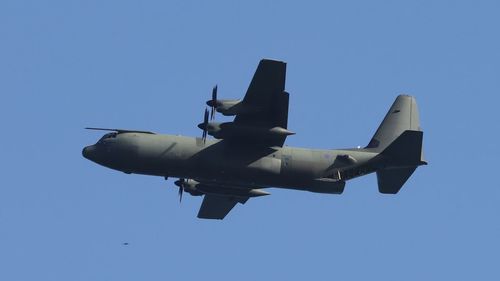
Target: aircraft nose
(88,151)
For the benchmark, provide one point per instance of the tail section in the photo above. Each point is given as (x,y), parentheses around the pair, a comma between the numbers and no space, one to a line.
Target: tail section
(405,151)
(399,140)
(390,181)
(402,157)
(402,116)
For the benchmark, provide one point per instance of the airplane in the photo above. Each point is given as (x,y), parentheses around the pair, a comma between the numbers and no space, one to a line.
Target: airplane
(248,155)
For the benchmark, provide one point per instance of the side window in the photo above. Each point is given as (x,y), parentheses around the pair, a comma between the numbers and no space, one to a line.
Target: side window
(108,136)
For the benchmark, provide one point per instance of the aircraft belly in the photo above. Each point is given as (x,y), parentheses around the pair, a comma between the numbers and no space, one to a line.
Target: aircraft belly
(222,162)
(279,167)
(236,168)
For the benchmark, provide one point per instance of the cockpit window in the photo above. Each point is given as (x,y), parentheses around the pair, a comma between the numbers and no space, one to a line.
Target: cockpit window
(108,136)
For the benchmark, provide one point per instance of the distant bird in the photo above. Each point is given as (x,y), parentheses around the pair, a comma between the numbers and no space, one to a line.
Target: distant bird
(125,244)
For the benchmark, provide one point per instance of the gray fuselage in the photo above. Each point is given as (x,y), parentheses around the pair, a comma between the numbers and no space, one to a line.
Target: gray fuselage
(221,161)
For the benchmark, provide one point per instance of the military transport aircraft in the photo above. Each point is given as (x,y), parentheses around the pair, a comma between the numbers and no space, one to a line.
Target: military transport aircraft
(248,154)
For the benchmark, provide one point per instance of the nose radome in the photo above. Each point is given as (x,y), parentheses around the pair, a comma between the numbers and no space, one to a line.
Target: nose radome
(84,152)
(87,151)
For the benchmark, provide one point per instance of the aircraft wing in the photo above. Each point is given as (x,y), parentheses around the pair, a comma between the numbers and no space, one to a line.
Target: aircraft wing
(218,206)
(266,93)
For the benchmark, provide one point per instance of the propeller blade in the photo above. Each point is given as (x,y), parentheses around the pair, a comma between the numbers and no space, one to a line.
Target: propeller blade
(205,125)
(181,189)
(214,93)
(180,184)
(214,102)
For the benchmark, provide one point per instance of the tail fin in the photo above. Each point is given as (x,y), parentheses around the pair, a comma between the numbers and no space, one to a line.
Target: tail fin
(402,116)
(403,156)
(399,140)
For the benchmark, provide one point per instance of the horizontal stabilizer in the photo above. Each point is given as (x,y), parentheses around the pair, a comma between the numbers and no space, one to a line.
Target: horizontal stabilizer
(390,181)
(402,156)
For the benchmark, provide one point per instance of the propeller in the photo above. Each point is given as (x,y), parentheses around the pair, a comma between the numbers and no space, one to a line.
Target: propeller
(181,190)
(213,103)
(180,184)
(204,126)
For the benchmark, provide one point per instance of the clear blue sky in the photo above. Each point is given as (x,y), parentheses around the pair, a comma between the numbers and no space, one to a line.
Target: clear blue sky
(151,65)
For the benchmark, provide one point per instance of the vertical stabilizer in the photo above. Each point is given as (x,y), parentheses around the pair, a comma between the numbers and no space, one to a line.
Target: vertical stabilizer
(402,116)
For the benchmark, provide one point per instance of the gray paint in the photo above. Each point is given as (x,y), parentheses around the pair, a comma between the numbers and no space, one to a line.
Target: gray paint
(248,153)
(223,162)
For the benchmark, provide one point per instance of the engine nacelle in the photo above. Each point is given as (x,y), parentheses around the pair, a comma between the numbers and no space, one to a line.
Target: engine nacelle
(327,185)
(231,191)
(189,186)
(196,188)
(232,107)
(226,107)
(231,130)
